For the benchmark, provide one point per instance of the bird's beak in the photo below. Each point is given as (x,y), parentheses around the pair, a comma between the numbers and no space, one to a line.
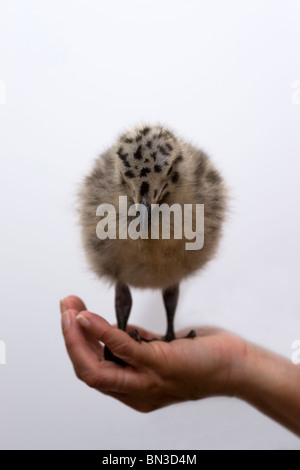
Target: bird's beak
(145,203)
(145,223)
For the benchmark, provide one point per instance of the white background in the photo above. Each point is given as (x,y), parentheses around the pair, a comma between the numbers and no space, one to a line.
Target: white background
(77,72)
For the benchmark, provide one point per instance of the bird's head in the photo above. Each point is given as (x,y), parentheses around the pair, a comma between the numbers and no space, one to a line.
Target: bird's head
(147,161)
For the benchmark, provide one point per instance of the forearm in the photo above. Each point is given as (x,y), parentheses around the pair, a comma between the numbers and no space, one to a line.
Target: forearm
(271,383)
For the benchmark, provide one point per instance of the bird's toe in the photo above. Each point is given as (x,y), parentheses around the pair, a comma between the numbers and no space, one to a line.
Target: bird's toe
(192,334)
(169,337)
(109,356)
(135,335)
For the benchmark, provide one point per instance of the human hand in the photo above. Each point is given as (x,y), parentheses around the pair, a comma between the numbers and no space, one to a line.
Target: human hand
(158,373)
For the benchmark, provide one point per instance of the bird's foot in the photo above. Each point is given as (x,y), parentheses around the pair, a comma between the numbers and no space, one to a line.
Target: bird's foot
(136,336)
(192,334)
(109,356)
(171,337)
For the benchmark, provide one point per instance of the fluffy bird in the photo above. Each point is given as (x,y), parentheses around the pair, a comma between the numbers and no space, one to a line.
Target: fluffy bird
(151,165)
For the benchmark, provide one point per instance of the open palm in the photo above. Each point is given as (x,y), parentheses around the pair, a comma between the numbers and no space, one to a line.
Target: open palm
(158,373)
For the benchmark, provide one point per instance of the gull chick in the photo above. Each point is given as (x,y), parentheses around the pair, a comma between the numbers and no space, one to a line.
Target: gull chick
(151,165)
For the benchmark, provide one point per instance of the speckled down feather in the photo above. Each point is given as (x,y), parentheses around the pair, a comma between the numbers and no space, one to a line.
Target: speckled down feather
(152,161)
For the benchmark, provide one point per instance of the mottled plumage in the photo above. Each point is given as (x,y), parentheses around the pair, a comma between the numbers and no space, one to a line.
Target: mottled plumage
(151,162)
(175,172)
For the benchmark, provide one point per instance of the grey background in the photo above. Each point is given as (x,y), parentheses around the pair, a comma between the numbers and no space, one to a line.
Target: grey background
(79,72)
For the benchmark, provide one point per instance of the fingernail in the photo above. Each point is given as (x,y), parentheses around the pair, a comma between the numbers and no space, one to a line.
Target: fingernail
(65,320)
(83,321)
(62,306)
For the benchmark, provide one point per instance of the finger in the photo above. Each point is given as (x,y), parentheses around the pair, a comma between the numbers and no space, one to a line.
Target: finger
(94,345)
(117,341)
(72,303)
(75,303)
(85,361)
(105,376)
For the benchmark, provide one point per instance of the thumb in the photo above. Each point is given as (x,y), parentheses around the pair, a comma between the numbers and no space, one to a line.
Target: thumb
(117,341)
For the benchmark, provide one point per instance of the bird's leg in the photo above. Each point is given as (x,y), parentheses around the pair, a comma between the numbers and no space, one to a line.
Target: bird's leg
(123,304)
(170,296)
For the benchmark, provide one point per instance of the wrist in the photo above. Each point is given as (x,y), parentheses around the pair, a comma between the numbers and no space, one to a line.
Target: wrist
(270,383)
(239,361)
(227,368)
(260,373)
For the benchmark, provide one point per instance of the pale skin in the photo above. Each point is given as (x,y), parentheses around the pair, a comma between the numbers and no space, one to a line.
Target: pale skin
(158,374)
